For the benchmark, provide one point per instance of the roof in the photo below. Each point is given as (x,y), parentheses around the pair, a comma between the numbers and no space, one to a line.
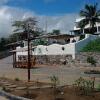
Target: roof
(61,36)
(21,49)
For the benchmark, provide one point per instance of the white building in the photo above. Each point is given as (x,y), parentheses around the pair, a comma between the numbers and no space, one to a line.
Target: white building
(86,28)
(68,46)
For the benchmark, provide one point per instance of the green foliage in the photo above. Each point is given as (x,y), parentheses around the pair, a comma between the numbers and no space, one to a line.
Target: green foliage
(93,46)
(84,86)
(54,80)
(17,79)
(91,60)
(55,32)
(98,87)
(40,42)
(82,37)
(21,28)
(25,27)
(3,42)
(91,15)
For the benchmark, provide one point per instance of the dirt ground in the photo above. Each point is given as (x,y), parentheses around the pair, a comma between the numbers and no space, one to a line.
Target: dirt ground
(48,94)
(39,91)
(67,75)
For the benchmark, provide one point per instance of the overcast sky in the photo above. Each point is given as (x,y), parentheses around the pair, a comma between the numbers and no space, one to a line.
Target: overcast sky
(59,14)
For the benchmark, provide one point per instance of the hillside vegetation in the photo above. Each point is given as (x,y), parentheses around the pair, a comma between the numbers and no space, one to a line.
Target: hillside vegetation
(93,46)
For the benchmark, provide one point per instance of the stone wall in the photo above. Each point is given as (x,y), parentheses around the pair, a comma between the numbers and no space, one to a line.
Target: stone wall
(53,59)
(80,59)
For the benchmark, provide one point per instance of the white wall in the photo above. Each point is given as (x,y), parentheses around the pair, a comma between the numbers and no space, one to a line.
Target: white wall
(56,49)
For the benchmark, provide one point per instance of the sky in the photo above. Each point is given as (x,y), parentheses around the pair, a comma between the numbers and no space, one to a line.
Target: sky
(59,14)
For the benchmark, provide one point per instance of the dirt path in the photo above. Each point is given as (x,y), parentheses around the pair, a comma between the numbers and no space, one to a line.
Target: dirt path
(67,75)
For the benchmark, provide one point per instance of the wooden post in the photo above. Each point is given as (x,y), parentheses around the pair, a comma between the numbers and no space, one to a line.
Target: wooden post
(29,60)
(29,57)
(14,57)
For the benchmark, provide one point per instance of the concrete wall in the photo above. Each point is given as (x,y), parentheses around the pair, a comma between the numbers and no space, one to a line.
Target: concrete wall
(57,49)
(54,49)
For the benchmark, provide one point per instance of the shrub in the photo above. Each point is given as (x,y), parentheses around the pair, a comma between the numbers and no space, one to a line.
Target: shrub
(17,79)
(98,87)
(84,86)
(54,80)
(91,60)
(82,37)
(93,46)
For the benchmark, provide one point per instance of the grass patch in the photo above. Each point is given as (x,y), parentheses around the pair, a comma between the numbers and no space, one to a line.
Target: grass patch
(93,46)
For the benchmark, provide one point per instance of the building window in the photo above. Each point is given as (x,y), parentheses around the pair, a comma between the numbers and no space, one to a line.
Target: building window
(19,58)
(63,48)
(24,58)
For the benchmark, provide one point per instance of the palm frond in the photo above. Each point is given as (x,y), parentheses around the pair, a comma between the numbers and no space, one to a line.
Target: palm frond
(98,13)
(88,8)
(98,20)
(83,23)
(83,13)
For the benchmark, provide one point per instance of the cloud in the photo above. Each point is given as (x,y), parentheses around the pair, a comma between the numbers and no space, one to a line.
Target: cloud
(9,14)
(65,23)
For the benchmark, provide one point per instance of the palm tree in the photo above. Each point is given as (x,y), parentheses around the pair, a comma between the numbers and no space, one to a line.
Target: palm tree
(91,15)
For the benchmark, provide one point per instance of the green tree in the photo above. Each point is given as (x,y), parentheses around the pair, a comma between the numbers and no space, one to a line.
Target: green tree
(27,29)
(55,32)
(3,42)
(90,16)
(26,26)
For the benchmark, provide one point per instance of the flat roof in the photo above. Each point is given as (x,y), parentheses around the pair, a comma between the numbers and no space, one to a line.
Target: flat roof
(61,36)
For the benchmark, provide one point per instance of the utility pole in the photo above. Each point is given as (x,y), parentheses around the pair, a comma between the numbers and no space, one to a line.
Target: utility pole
(29,57)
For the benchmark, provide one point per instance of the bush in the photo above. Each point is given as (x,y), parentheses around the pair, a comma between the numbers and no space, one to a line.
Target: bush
(91,60)
(17,79)
(93,46)
(54,80)
(84,86)
(98,87)
(82,37)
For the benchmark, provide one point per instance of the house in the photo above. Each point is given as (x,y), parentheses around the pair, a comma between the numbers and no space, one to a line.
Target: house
(63,44)
(77,30)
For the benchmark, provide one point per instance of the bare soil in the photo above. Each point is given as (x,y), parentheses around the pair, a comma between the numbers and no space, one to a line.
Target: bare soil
(48,94)
(40,92)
